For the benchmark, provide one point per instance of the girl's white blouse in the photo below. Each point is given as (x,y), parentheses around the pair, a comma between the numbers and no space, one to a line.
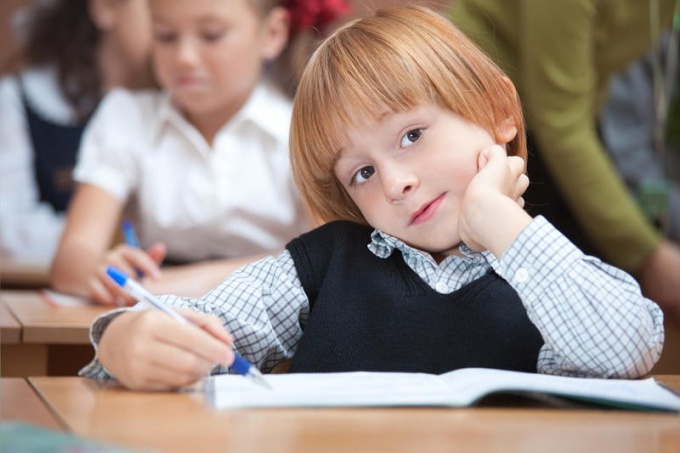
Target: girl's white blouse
(233,198)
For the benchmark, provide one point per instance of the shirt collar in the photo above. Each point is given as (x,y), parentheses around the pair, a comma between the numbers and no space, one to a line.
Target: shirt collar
(267,108)
(382,245)
(167,113)
(41,86)
(270,110)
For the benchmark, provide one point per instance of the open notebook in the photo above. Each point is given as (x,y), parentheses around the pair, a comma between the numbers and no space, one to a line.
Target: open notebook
(458,388)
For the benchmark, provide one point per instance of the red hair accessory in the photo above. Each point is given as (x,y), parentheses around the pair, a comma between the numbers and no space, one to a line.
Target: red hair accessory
(305,14)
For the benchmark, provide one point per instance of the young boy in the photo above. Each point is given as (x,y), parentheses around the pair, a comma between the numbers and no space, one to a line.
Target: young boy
(409,142)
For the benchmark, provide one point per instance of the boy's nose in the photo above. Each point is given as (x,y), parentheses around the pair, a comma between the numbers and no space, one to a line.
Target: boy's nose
(398,184)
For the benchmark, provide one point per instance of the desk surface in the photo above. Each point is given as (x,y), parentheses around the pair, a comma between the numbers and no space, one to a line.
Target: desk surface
(46,324)
(21,403)
(181,422)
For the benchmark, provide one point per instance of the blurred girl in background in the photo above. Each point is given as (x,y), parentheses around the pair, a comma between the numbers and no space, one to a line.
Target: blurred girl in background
(73,51)
(201,168)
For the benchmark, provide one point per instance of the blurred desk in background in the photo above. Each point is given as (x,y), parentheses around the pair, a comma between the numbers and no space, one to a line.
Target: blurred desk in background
(15,275)
(10,329)
(53,340)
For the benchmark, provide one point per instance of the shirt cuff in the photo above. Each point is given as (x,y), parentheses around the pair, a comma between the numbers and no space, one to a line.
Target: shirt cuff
(94,369)
(538,256)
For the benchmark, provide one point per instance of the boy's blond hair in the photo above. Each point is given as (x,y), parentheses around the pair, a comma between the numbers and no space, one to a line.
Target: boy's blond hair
(392,62)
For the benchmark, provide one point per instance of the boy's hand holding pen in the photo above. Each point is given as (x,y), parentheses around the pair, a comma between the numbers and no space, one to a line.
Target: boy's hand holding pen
(169,349)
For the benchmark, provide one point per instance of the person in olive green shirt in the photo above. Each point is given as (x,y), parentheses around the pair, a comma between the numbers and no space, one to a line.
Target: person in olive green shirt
(561,54)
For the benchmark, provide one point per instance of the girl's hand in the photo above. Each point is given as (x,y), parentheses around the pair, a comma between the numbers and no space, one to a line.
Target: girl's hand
(131,260)
(148,350)
(492,212)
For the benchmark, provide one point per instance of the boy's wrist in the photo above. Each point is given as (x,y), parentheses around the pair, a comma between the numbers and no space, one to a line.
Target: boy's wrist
(498,223)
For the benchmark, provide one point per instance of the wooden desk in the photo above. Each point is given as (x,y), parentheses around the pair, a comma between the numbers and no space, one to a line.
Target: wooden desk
(181,422)
(21,403)
(23,275)
(10,329)
(54,340)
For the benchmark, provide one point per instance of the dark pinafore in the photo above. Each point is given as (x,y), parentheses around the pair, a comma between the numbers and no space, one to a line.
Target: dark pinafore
(55,149)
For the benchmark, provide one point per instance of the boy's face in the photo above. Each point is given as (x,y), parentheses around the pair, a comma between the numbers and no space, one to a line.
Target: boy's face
(408,173)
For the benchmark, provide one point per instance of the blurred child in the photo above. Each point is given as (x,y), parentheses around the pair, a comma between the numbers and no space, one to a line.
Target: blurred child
(73,51)
(200,168)
(410,142)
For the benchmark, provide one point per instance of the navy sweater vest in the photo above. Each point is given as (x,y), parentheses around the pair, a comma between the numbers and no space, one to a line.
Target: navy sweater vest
(55,148)
(374,314)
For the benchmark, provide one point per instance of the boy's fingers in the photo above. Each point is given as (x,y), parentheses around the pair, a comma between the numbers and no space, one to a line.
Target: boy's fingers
(482,160)
(522,184)
(210,324)
(517,164)
(200,342)
(488,154)
(187,366)
(159,377)
(497,151)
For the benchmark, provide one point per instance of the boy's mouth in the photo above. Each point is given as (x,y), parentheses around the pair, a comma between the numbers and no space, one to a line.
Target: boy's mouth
(426,211)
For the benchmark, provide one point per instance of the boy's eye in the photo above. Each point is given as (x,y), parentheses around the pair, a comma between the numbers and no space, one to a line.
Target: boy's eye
(411,137)
(362,175)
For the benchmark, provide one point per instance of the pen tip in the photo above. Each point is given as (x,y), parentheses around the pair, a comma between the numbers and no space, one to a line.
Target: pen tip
(258,378)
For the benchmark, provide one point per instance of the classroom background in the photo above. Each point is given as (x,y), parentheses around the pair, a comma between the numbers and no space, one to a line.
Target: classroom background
(48,341)
(30,277)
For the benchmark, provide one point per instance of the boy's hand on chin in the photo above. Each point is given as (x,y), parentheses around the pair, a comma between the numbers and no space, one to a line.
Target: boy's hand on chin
(492,212)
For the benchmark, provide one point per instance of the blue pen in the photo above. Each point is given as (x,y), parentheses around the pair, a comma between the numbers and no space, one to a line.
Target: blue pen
(240,365)
(130,235)
(131,239)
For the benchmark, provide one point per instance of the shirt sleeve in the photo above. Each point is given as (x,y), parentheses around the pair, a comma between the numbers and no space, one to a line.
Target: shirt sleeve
(262,304)
(557,50)
(111,145)
(592,316)
(29,229)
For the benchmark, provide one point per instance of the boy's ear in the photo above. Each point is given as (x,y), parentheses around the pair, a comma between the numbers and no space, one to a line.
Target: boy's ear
(275,33)
(506,130)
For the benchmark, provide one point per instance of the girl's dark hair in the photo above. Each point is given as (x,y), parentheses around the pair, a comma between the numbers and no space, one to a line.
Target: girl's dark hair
(310,20)
(60,33)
